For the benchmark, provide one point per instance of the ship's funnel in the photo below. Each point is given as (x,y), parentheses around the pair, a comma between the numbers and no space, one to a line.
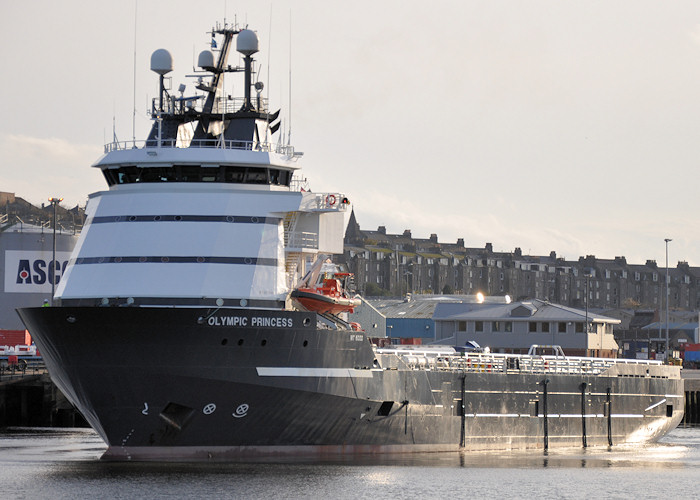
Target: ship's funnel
(161,62)
(247,42)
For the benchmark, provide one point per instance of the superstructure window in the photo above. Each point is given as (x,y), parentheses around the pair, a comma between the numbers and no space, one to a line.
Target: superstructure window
(196,173)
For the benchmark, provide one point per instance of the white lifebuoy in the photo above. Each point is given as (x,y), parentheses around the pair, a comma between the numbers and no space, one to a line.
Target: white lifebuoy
(330,199)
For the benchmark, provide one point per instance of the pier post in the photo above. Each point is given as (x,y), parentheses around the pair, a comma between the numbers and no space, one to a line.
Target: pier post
(544,413)
(583,413)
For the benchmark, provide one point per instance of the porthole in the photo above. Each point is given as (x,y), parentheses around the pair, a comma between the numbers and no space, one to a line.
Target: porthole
(254,220)
(165,259)
(307,321)
(229,218)
(240,341)
(306,342)
(157,217)
(117,260)
(263,342)
(178,217)
(143,259)
(132,218)
(224,341)
(200,259)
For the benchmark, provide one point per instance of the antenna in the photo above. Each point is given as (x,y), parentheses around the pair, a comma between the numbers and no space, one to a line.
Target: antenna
(289,131)
(114,130)
(269,80)
(133,114)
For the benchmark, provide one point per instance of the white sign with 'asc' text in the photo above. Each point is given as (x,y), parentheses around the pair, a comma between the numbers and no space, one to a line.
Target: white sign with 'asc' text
(32,271)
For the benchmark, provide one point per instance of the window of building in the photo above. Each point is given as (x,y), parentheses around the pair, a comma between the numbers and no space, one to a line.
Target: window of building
(579,327)
(532,326)
(461,326)
(478,326)
(545,327)
(562,327)
(508,326)
(495,326)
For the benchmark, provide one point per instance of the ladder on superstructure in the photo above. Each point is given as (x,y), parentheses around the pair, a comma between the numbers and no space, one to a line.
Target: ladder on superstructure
(291,259)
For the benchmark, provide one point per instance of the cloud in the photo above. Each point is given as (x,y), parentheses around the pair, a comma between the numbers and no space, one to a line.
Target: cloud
(36,168)
(695,34)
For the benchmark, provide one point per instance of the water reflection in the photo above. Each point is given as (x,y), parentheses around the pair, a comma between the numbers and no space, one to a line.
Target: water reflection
(66,464)
(681,448)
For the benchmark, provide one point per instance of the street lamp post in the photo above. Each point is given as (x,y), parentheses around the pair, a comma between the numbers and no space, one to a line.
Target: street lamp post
(588,277)
(52,268)
(667,240)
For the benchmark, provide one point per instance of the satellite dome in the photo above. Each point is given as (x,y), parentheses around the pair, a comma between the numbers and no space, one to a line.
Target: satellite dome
(161,62)
(247,42)
(205,59)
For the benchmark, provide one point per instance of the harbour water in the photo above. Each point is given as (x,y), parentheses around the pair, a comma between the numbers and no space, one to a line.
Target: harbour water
(51,463)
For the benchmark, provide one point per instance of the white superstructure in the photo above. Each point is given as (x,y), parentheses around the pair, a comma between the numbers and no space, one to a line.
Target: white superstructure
(211,219)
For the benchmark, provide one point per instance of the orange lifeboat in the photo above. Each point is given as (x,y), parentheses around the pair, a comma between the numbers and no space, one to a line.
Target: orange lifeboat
(324,289)
(328,296)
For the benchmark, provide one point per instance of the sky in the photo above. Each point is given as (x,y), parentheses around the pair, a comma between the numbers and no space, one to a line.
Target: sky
(566,126)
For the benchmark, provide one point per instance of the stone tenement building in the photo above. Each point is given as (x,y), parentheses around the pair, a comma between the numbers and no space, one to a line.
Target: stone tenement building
(393,264)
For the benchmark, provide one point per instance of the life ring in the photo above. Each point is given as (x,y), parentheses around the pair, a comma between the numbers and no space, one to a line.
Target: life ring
(330,199)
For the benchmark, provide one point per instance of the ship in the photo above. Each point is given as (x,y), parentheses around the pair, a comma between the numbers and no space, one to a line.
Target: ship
(176,335)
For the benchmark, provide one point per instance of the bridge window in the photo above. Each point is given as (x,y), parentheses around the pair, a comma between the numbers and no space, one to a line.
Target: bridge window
(197,173)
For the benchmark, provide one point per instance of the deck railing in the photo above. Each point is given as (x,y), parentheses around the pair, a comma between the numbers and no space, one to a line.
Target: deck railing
(266,147)
(432,359)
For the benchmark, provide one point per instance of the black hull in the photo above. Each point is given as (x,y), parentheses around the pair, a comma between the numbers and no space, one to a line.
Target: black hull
(165,383)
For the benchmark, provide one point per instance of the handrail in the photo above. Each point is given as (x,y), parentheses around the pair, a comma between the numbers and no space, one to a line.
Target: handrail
(444,360)
(266,147)
(301,239)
